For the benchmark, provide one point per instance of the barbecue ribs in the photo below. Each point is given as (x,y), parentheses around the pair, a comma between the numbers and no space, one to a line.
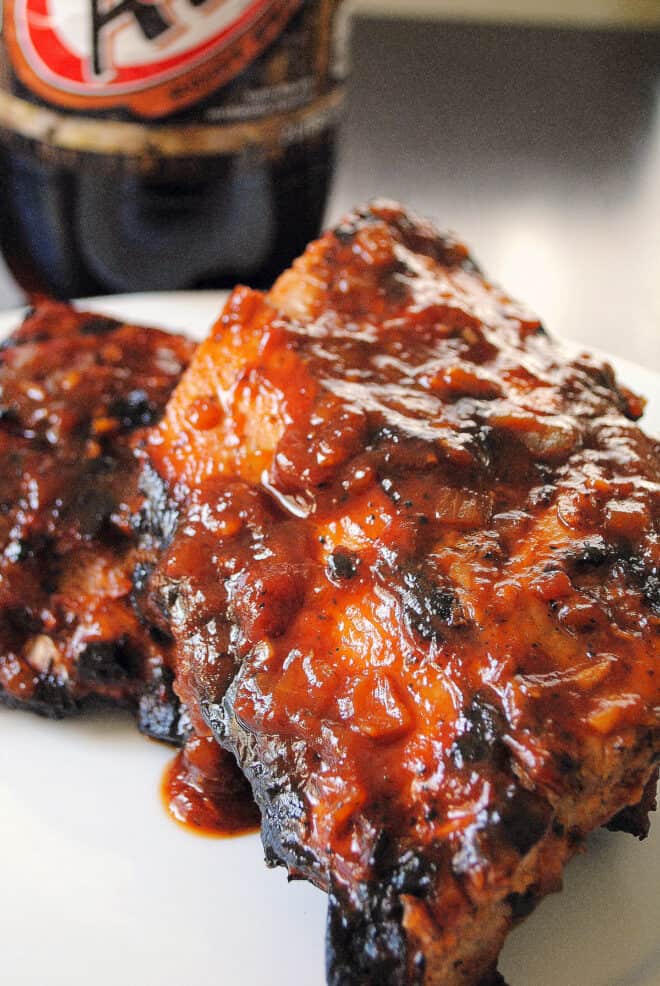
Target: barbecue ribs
(74,387)
(415,589)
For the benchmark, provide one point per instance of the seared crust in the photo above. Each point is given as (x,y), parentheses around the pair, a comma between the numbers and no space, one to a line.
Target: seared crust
(420,545)
(75,389)
(635,818)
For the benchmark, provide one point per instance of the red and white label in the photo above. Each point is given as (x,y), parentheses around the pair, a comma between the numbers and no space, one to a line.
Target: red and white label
(136,53)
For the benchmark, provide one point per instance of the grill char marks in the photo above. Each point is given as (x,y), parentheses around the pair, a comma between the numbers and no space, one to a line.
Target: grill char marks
(480,736)
(74,389)
(430,609)
(366,945)
(452,674)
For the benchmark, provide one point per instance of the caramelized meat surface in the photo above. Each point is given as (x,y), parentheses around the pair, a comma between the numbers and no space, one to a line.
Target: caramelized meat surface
(74,388)
(415,589)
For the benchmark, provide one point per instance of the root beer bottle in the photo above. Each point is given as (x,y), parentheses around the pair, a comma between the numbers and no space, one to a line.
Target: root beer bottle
(162,144)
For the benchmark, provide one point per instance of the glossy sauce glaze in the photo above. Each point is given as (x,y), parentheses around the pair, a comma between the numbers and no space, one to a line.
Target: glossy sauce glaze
(420,545)
(74,388)
(407,501)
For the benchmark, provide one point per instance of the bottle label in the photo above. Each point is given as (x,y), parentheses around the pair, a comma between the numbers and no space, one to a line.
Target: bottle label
(156,79)
(154,58)
(94,54)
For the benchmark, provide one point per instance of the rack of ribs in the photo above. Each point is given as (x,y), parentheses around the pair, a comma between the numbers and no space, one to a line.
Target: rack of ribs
(415,589)
(74,389)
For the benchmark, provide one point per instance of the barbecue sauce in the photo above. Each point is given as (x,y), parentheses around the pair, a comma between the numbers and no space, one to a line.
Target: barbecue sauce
(427,537)
(204,791)
(74,389)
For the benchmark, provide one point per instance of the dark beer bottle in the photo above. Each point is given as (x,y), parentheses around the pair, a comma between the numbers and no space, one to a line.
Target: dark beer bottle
(162,144)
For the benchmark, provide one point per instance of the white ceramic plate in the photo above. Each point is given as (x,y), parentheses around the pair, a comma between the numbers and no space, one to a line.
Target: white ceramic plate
(99,888)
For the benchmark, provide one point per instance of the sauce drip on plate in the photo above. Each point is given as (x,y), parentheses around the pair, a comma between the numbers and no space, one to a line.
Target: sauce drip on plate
(204,791)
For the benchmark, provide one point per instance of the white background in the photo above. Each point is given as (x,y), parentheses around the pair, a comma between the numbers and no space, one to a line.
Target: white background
(556,11)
